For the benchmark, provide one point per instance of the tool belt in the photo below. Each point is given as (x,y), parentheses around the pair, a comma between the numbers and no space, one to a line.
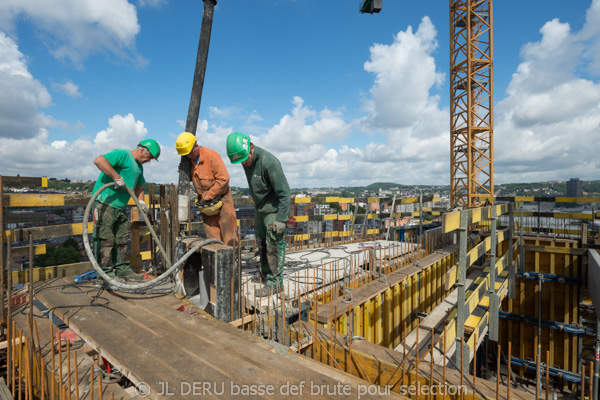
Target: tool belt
(212,207)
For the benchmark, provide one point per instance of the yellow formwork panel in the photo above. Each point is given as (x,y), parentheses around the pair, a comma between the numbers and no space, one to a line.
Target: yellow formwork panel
(344,217)
(376,320)
(367,324)
(396,311)
(328,217)
(131,202)
(299,200)
(301,218)
(37,249)
(358,321)
(388,318)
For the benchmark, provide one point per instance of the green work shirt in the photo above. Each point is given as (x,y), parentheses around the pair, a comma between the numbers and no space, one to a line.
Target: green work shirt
(129,169)
(268,186)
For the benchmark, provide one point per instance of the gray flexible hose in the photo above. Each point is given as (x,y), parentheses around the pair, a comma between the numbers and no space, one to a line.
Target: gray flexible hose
(113,282)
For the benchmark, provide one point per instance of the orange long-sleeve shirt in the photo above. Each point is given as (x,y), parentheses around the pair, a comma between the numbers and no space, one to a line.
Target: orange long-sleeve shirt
(209,174)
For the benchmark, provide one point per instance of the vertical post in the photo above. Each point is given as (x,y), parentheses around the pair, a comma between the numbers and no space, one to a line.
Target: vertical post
(420,212)
(30,317)
(511,263)
(2,251)
(387,234)
(539,211)
(194,107)
(522,243)
(462,276)
(494,300)
(539,339)
(596,361)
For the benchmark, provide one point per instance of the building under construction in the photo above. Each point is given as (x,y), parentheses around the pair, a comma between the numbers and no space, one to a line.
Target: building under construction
(492,298)
(488,302)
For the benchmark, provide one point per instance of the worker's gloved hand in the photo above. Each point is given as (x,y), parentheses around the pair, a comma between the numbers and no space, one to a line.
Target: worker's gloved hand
(278,227)
(205,197)
(120,183)
(143,207)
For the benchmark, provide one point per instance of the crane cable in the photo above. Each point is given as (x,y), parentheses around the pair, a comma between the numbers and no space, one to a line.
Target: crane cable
(115,284)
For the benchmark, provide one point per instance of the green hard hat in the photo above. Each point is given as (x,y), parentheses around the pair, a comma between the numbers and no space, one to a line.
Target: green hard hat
(152,146)
(238,147)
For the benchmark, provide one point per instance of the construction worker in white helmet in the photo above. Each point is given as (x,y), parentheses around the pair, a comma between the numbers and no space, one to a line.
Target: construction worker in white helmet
(211,181)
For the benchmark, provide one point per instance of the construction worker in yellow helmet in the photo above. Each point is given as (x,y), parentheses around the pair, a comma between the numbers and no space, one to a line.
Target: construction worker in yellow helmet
(211,181)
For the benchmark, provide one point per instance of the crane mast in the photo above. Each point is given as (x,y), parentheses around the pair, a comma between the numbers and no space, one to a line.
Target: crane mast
(471,102)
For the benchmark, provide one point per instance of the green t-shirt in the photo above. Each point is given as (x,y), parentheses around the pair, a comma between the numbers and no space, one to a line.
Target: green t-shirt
(130,170)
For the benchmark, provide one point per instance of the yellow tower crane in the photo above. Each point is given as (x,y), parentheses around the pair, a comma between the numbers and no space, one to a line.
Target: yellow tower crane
(471,102)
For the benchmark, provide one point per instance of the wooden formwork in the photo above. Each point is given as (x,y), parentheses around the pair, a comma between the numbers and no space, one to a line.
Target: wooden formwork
(560,303)
(379,311)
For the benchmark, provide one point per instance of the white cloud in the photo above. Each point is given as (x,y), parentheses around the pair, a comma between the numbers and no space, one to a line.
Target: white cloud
(68,88)
(41,156)
(21,94)
(151,3)
(547,128)
(73,29)
(305,127)
(405,72)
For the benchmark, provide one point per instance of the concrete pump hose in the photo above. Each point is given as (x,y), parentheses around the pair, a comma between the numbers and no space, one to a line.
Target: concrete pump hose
(114,283)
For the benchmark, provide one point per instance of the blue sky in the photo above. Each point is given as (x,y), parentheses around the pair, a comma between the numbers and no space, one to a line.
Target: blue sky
(340,97)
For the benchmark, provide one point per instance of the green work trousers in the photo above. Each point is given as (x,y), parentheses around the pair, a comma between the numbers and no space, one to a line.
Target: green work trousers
(272,249)
(110,239)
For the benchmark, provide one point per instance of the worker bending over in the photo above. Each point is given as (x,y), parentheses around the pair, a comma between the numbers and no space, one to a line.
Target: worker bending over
(271,195)
(123,167)
(211,181)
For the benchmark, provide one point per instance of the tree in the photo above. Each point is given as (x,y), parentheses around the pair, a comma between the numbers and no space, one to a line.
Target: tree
(59,255)
(70,242)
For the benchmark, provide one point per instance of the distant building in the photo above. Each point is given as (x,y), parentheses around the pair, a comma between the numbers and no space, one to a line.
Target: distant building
(574,188)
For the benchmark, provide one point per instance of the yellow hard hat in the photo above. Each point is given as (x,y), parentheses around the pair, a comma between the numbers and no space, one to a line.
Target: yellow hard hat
(210,209)
(185,143)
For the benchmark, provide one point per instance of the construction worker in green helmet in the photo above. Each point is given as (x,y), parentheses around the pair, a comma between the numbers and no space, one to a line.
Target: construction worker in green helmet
(271,195)
(124,168)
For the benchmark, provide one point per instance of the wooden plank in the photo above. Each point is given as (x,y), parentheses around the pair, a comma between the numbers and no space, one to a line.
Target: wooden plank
(47,273)
(556,250)
(46,232)
(183,347)
(84,361)
(26,217)
(23,251)
(44,200)
(24,181)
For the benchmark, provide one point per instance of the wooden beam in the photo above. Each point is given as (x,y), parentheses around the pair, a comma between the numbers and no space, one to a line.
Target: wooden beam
(24,250)
(24,181)
(46,232)
(44,200)
(57,271)
(556,250)
(24,217)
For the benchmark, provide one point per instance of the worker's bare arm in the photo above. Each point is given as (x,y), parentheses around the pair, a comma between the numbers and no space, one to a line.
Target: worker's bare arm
(104,166)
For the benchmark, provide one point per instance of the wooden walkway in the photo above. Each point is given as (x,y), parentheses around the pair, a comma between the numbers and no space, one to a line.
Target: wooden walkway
(155,345)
